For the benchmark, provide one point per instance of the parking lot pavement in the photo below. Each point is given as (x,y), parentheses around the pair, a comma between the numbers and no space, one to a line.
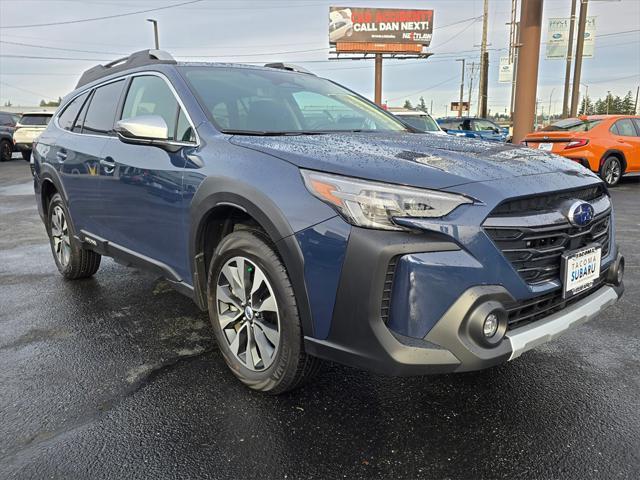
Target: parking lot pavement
(118,377)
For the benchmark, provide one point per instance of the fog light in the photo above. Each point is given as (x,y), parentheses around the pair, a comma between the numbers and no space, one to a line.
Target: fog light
(490,326)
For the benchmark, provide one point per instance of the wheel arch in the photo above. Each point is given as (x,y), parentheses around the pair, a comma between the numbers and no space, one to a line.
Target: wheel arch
(216,206)
(614,152)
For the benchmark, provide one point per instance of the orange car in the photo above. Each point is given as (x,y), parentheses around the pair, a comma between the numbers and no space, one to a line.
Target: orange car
(606,144)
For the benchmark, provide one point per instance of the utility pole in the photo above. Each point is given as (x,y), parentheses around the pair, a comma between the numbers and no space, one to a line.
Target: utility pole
(550,97)
(378,80)
(432,106)
(567,73)
(484,64)
(461,88)
(608,100)
(471,74)
(577,70)
(527,68)
(635,108)
(513,53)
(155,32)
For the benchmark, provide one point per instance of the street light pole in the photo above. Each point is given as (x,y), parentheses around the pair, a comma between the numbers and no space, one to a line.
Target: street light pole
(461,87)
(155,32)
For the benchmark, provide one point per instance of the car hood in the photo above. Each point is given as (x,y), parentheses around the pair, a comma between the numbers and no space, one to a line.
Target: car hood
(427,161)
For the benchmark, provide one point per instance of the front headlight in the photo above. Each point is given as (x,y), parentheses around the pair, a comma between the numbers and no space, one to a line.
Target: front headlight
(374,205)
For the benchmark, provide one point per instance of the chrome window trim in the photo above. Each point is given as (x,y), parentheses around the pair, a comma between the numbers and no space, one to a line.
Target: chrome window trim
(126,77)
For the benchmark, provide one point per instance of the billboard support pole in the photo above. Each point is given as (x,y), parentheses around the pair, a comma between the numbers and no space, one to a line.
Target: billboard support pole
(527,69)
(484,64)
(567,73)
(461,88)
(577,69)
(378,80)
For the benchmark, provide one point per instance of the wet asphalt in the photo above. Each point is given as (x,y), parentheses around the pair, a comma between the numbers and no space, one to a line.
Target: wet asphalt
(118,376)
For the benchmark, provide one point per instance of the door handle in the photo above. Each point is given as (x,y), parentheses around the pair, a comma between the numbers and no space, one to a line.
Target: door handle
(108,164)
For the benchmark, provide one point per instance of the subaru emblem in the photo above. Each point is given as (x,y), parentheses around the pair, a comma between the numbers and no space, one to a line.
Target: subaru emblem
(581,214)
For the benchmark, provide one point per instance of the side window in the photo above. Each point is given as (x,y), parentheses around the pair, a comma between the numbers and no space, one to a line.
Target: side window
(625,128)
(5,120)
(636,121)
(68,116)
(102,109)
(184,131)
(150,95)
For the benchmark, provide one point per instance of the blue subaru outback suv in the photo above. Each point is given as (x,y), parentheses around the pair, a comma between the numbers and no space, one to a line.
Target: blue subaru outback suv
(313,225)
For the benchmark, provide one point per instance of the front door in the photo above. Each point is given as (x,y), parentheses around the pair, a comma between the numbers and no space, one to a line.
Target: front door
(141,185)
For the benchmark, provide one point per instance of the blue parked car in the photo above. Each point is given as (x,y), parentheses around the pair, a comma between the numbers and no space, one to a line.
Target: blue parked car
(312,224)
(472,127)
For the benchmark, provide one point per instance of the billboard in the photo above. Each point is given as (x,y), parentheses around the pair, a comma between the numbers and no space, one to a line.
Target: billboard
(380,26)
(455,106)
(558,38)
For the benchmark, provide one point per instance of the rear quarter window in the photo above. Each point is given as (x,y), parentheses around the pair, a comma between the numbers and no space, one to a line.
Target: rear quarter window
(68,116)
(35,120)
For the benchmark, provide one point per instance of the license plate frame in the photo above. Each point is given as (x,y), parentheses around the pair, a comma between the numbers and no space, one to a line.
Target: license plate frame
(588,258)
(545,146)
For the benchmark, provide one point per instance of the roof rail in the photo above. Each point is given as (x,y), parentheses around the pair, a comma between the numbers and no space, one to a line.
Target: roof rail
(288,66)
(137,59)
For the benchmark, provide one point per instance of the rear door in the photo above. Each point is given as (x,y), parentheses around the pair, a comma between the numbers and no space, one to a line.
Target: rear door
(141,185)
(626,133)
(76,151)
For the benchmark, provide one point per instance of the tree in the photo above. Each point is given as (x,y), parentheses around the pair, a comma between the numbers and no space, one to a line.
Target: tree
(586,107)
(407,104)
(422,106)
(628,104)
(8,103)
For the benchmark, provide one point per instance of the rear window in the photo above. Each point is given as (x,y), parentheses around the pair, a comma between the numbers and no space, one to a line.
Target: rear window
(421,122)
(35,120)
(572,125)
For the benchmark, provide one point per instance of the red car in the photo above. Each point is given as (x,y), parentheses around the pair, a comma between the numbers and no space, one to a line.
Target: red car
(606,144)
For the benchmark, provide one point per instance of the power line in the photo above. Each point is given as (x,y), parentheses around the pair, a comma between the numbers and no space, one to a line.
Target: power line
(95,19)
(24,90)
(425,89)
(58,48)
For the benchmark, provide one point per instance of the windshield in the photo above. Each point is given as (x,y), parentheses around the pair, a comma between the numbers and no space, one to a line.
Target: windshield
(267,102)
(481,125)
(421,122)
(35,120)
(572,125)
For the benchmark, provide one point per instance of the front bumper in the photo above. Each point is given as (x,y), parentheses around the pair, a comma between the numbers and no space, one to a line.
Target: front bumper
(364,335)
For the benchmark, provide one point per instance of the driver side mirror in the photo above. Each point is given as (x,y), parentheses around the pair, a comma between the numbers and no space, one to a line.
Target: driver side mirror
(144,130)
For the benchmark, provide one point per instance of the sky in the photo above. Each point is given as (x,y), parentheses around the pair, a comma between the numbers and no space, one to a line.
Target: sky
(296,31)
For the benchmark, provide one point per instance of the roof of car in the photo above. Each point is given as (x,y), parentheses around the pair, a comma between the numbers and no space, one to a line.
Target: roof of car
(410,112)
(159,57)
(37,113)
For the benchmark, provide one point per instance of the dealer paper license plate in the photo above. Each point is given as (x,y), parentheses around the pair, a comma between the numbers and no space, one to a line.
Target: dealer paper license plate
(580,270)
(547,147)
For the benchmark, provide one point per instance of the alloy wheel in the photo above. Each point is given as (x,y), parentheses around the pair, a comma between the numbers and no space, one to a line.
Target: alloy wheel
(248,313)
(60,236)
(612,172)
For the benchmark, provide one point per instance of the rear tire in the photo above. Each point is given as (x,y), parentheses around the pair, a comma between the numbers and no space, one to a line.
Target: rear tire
(611,171)
(72,260)
(255,317)
(6,150)
(26,155)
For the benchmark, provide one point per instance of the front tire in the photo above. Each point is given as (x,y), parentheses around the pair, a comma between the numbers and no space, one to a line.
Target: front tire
(611,171)
(254,315)
(72,260)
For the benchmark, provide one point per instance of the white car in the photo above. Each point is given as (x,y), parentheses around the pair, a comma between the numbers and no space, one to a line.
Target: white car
(420,120)
(340,25)
(28,128)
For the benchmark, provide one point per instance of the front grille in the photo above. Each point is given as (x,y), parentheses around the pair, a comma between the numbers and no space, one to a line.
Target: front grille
(386,291)
(550,201)
(535,251)
(524,313)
